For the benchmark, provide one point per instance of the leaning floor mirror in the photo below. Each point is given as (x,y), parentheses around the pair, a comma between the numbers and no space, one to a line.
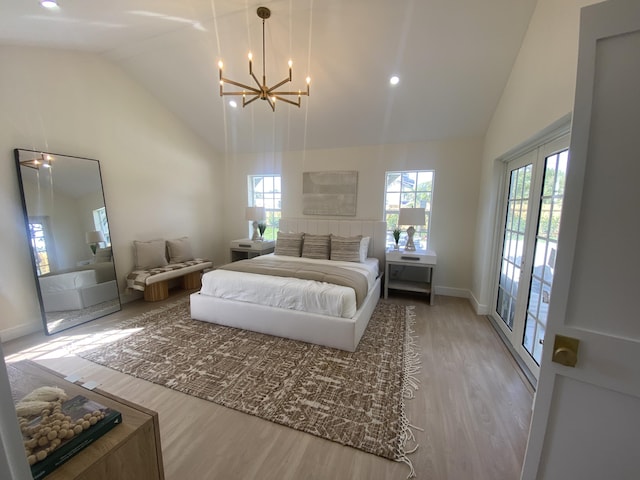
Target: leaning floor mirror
(68,231)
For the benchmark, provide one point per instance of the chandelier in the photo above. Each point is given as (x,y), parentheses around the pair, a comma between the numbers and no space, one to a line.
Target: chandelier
(261,90)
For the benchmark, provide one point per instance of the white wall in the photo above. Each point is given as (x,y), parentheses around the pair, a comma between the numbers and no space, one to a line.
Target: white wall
(540,91)
(159,179)
(457,167)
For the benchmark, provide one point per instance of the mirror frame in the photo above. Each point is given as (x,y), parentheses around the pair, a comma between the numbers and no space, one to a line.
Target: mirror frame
(32,253)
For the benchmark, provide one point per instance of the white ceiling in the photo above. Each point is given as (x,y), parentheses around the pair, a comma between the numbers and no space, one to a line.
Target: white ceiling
(453,58)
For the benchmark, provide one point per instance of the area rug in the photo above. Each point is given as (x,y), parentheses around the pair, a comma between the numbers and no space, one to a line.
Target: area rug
(356,399)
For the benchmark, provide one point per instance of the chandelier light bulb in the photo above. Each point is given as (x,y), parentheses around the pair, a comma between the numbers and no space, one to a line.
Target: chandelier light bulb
(49,3)
(308,80)
(220,64)
(250,56)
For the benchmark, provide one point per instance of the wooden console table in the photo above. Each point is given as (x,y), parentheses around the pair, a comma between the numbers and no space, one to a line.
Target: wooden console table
(130,451)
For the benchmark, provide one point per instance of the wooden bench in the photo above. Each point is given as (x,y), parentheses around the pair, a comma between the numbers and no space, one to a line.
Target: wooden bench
(155,282)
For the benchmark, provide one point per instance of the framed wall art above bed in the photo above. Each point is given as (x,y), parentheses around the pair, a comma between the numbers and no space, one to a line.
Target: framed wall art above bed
(329,193)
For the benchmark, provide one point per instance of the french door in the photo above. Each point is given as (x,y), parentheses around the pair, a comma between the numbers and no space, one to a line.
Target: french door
(532,210)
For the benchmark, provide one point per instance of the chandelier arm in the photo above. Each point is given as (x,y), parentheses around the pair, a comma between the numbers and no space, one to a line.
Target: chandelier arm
(271,89)
(257,82)
(245,103)
(241,85)
(286,100)
(300,93)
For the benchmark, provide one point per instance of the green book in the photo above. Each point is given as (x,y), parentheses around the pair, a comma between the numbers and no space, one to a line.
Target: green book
(77,407)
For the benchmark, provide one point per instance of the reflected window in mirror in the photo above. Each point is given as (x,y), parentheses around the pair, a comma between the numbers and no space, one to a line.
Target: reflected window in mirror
(67,230)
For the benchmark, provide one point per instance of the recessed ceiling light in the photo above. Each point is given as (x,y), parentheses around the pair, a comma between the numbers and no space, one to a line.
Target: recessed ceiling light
(394,80)
(49,3)
(233,104)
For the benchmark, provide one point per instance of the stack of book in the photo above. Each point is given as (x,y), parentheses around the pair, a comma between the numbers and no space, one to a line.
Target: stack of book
(59,436)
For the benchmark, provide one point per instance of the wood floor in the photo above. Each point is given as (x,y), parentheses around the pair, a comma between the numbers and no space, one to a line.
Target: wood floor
(473,404)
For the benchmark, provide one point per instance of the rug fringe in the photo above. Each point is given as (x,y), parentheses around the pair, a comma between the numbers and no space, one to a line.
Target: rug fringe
(410,383)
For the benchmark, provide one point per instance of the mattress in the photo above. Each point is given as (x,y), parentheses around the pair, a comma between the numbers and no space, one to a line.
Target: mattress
(291,293)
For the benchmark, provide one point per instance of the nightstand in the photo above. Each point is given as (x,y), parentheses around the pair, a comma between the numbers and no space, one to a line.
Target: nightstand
(410,271)
(246,248)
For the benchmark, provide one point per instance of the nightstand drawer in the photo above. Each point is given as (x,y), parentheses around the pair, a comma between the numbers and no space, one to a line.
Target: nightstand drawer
(421,256)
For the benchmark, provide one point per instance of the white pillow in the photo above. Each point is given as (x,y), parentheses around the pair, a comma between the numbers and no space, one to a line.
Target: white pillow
(150,254)
(364,249)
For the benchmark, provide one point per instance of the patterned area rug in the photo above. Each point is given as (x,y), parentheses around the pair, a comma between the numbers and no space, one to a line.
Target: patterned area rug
(356,399)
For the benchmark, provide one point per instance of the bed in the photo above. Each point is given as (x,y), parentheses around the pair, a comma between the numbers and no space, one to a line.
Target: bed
(280,308)
(78,288)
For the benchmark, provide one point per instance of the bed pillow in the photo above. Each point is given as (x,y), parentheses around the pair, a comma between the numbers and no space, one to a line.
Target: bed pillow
(289,244)
(150,254)
(179,250)
(364,249)
(316,246)
(345,249)
(103,255)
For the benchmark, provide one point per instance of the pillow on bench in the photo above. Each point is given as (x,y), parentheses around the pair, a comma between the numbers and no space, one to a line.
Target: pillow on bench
(150,254)
(179,250)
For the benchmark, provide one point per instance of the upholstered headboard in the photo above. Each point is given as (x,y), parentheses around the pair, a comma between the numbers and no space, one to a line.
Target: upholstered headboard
(375,229)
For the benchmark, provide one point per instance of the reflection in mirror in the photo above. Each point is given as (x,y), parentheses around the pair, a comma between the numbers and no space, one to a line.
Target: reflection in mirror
(68,231)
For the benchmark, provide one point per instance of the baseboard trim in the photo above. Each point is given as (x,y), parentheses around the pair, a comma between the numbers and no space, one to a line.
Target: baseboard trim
(452,292)
(479,308)
(20,331)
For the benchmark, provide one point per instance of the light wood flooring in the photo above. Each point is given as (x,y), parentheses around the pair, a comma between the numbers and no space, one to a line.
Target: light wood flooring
(473,404)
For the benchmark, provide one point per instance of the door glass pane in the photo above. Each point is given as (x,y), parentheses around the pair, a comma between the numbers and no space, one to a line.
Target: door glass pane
(546,246)
(513,243)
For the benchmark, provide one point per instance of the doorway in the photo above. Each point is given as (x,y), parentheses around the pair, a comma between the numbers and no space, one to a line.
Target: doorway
(531,216)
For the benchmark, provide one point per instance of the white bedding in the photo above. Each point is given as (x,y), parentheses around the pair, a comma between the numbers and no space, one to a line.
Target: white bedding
(291,293)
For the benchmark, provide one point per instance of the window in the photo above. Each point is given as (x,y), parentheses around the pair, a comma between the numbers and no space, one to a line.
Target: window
(100,221)
(39,235)
(265,191)
(408,189)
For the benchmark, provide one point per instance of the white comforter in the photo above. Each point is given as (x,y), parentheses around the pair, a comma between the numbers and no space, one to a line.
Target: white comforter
(290,293)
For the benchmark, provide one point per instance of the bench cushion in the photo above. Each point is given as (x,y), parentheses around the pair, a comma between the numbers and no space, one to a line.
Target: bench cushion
(139,279)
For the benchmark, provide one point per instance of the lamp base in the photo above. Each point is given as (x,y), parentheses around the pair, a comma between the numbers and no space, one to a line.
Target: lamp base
(256,235)
(410,247)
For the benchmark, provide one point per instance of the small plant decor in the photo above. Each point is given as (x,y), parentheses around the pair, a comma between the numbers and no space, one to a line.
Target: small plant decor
(261,228)
(396,235)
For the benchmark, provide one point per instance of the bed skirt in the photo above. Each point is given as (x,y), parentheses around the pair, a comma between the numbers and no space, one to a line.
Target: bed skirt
(336,332)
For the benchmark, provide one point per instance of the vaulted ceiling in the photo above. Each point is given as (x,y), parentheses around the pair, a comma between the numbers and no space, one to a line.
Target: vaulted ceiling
(453,58)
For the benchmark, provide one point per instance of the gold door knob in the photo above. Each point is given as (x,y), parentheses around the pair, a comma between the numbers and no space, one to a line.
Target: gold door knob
(565,351)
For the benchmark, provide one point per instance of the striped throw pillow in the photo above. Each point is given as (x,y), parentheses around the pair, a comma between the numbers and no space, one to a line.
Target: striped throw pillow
(289,244)
(345,249)
(316,246)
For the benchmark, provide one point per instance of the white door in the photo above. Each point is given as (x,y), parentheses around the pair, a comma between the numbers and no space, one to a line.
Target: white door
(586,419)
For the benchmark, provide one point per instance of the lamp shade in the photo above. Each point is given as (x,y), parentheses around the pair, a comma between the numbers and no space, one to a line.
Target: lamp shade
(255,213)
(95,236)
(411,216)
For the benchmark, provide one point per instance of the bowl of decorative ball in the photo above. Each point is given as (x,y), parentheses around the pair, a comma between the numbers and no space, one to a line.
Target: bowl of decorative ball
(47,422)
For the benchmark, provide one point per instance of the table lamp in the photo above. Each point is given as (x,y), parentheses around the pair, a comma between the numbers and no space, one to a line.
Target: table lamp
(93,239)
(255,214)
(411,216)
